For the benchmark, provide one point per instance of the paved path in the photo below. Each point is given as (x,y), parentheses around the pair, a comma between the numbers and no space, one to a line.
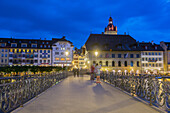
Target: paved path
(80,95)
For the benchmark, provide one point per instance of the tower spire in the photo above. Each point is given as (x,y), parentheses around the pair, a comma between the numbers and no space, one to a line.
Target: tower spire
(111,29)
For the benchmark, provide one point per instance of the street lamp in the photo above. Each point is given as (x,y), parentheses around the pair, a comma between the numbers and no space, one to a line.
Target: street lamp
(96,53)
(66,53)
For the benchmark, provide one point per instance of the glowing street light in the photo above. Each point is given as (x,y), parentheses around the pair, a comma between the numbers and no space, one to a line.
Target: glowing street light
(96,53)
(88,62)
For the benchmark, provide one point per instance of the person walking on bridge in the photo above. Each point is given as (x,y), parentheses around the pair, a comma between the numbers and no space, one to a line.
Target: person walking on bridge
(97,70)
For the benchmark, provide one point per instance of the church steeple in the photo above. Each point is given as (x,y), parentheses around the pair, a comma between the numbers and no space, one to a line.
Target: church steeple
(111,29)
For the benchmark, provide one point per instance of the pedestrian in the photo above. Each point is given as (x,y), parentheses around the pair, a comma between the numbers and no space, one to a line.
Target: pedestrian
(92,72)
(97,70)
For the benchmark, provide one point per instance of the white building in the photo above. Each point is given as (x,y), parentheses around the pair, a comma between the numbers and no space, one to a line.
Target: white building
(59,49)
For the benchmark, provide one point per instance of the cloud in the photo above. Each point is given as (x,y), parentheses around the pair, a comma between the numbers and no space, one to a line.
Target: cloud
(77,18)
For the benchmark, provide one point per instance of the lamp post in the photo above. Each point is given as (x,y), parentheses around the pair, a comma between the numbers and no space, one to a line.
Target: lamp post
(66,53)
(96,53)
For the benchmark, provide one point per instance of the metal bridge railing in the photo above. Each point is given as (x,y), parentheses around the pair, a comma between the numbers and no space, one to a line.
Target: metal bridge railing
(15,94)
(153,89)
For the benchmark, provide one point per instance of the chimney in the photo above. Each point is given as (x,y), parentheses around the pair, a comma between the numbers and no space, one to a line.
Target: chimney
(152,42)
(124,33)
(63,37)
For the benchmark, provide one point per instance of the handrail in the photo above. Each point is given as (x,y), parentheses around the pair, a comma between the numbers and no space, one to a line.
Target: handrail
(153,89)
(15,94)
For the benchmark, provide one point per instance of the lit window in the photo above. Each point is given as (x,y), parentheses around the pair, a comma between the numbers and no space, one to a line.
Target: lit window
(62,59)
(68,59)
(57,59)
(131,63)
(13,45)
(34,45)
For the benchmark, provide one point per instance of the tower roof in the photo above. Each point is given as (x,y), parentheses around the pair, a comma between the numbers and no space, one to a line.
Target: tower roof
(110,19)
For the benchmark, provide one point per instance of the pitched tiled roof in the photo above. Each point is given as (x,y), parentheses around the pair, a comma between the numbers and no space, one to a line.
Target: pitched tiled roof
(111,42)
(29,42)
(150,46)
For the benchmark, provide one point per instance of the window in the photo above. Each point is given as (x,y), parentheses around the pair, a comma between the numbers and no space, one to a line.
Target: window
(6,50)
(23,55)
(119,64)
(41,46)
(35,56)
(3,44)
(156,53)
(125,64)
(149,53)
(146,65)
(2,60)
(40,61)
(149,65)
(48,46)
(146,53)
(44,61)
(57,53)
(13,45)
(153,65)
(107,63)
(40,51)
(100,63)
(62,53)
(44,51)
(48,61)
(143,59)
(48,51)
(160,59)
(5,60)
(42,42)
(28,56)
(113,55)
(131,63)
(125,55)
(146,59)
(2,50)
(131,55)
(23,45)
(159,53)
(57,59)
(152,53)
(48,56)
(119,55)
(46,42)
(156,65)
(57,48)
(45,46)
(137,63)
(2,55)
(40,56)
(160,65)
(137,56)
(34,45)
(113,64)
(62,59)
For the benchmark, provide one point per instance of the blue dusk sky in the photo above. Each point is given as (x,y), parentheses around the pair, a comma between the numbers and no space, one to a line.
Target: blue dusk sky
(144,20)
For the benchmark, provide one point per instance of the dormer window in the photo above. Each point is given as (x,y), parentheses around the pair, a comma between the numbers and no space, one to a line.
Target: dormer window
(42,42)
(13,45)
(146,47)
(45,46)
(23,45)
(9,42)
(156,47)
(48,46)
(3,44)
(41,46)
(46,42)
(34,45)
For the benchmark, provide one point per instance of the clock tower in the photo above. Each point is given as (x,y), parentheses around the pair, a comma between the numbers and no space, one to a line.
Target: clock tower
(111,29)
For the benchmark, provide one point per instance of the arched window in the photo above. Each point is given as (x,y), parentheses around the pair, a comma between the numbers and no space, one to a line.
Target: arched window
(119,63)
(131,63)
(113,64)
(100,63)
(137,63)
(125,64)
(107,63)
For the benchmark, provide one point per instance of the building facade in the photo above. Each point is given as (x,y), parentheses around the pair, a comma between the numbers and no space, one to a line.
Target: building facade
(122,53)
(166,47)
(152,58)
(27,52)
(59,49)
(79,60)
